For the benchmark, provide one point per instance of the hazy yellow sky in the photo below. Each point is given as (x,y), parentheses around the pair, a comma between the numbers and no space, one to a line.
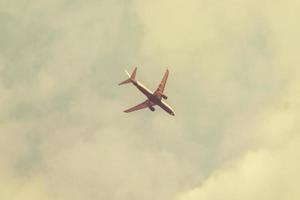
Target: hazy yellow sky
(234,84)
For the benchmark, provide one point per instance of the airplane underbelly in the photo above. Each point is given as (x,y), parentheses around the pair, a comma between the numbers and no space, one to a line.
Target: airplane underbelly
(144,90)
(167,108)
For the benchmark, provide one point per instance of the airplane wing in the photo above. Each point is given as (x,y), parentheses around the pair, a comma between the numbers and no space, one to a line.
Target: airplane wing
(143,105)
(161,87)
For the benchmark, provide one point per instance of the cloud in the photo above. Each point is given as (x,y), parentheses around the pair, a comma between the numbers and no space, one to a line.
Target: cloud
(268,170)
(261,175)
(233,84)
(15,189)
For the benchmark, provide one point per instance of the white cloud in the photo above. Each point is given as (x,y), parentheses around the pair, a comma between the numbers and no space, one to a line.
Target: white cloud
(63,133)
(262,174)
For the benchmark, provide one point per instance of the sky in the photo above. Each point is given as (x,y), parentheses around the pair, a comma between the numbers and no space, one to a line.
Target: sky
(234,84)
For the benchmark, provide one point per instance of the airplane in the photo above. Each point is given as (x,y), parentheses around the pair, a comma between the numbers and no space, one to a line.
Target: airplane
(153,98)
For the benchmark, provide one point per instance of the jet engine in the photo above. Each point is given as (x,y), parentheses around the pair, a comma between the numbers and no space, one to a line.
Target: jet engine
(164,96)
(152,108)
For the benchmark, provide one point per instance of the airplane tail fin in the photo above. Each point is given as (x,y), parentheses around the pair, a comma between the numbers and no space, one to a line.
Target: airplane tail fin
(130,77)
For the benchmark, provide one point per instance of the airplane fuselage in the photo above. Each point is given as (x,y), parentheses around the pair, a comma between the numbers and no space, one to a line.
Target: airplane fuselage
(153,98)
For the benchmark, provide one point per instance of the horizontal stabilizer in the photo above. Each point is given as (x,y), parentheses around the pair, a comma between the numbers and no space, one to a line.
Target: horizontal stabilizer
(131,77)
(133,74)
(125,82)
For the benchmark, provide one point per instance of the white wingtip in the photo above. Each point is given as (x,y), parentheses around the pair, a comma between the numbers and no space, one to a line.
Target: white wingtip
(127,73)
